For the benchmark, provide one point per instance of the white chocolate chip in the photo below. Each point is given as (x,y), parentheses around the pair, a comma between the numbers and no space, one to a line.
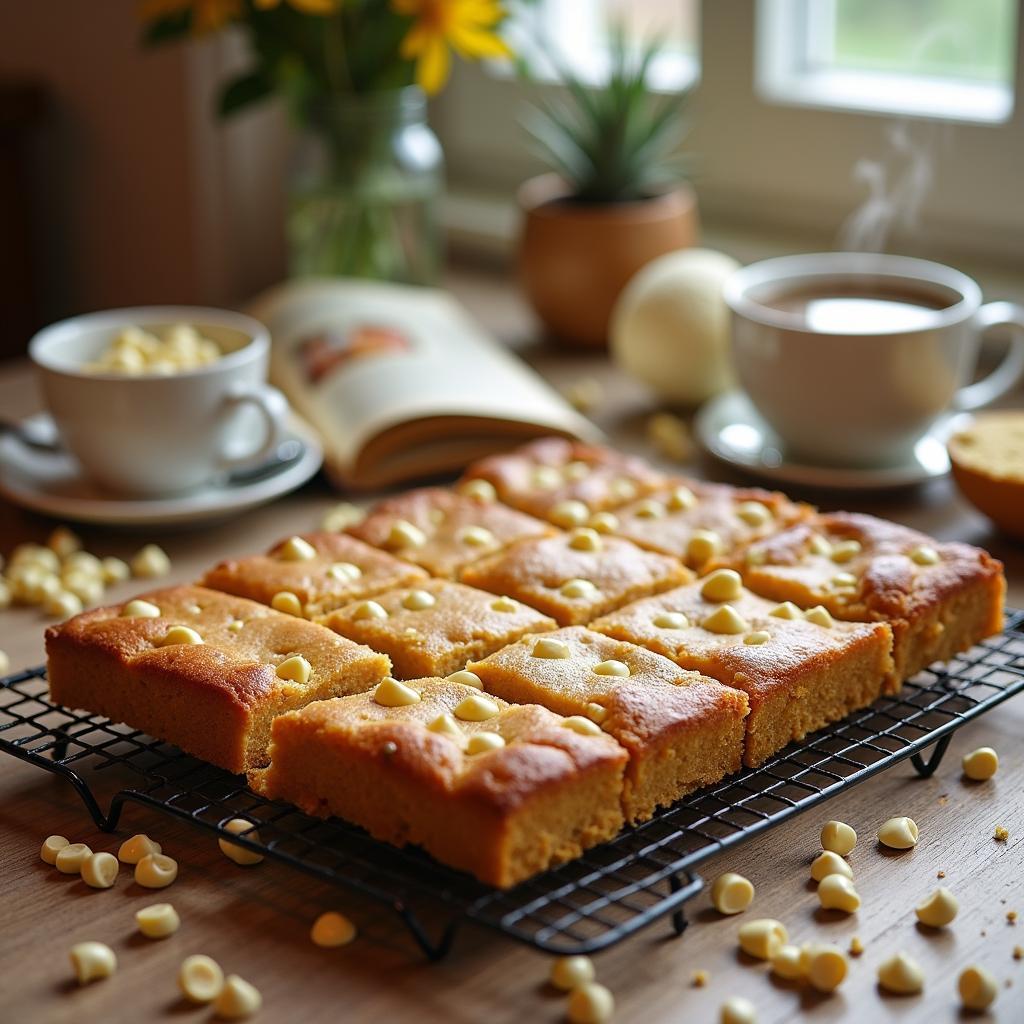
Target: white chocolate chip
(584,726)
(83,562)
(763,937)
(737,1010)
(671,620)
(5,663)
(100,870)
(92,961)
(596,712)
(604,522)
(753,513)
(69,859)
(150,561)
(476,536)
(568,514)
(240,854)
(977,987)
(787,963)
(583,538)
(63,605)
(344,572)
(405,535)
(786,610)
(845,550)
(156,871)
(579,589)
(446,725)
(824,965)
(158,920)
(702,546)
(590,1003)
(418,600)
(756,556)
(287,602)
(939,909)
(820,616)
(649,509)
(758,637)
(681,499)
(479,490)
(331,930)
(504,604)
(725,619)
(981,764)
(62,542)
(611,668)
(180,635)
(899,833)
(844,580)
(475,708)
(576,470)
(52,845)
(467,678)
(924,555)
(236,626)
(829,863)
(549,647)
(295,669)
(341,517)
(836,892)
(369,610)
(296,549)
(722,585)
(820,546)
(731,893)
(901,974)
(838,837)
(546,478)
(484,741)
(138,609)
(390,693)
(200,978)
(569,972)
(88,589)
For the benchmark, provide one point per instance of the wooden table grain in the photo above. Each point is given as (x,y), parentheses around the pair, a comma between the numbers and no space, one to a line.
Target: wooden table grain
(255,921)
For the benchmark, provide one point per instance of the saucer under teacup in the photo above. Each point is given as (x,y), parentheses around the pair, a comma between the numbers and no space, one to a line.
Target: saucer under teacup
(731,429)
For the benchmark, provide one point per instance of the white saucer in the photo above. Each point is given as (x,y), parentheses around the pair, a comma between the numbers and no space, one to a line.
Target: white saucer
(731,429)
(54,484)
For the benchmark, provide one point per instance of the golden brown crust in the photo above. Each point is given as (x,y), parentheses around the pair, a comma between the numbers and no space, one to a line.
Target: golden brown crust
(317,586)
(534,571)
(463,623)
(451,525)
(213,699)
(537,476)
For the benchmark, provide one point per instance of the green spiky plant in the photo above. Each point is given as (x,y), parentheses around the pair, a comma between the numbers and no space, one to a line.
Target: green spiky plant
(616,141)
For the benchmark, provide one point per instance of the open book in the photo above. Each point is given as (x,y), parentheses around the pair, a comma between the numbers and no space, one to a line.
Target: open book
(399,381)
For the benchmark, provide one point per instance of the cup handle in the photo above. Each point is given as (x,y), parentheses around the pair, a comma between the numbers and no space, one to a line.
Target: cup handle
(272,406)
(1010,370)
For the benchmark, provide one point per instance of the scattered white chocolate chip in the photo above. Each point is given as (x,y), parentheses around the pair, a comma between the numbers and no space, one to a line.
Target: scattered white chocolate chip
(418,600)
(62,542)
(584,394)
(924,555)
(504,604)
(287,602)
(763,937)
(341,516)
(731,893)
(83,562)
(590,1003)
(671,620)
(332,929)
(546,478)
(611,668)
(838,837)
(578,589)
(100,870)
(92,961)
(138,846)
(476,536)
(475,708)
(649,509)
(52,845)
(583,538)
(180,635)
(156,871)
(569,972)
(670,436)
(467,678)
(240,854)
(901,974)
(604,522)
(369,610)
(576,470)
(977,987)
(158,920)
(479,490)
(390,693)
(844,580)
(236,626)
(405,535)
(845,550)
(446,725)
(622,489)
(981,764)
(758,637)
(737,1010)
(596,712)
(584,726)
(829,863)
(200,978)
(5,663)
(820,616)
(549,647)
(63,604)
(787,963)
(150,561)
(88,589)
(725,620)
(786,610)
(344,572)
(824,965)
(899,833)
(568,514)
(820,546)
(702,546)
(484,741)
(836,892)
(70,858)
(939,909)
(722,585)
(753,513)
(139,609)
(296,549)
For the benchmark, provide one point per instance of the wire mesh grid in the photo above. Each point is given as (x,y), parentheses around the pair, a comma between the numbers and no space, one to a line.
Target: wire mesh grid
(611,892)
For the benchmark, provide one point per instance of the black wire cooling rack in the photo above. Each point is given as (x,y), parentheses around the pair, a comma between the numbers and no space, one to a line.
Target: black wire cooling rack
(612,891)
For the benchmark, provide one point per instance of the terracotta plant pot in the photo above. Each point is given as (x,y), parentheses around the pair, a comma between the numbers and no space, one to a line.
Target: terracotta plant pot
(575,258)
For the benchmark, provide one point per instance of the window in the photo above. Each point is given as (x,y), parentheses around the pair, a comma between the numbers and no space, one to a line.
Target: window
(951,59)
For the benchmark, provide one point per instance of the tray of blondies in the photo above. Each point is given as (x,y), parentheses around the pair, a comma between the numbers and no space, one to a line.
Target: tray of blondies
(537,700)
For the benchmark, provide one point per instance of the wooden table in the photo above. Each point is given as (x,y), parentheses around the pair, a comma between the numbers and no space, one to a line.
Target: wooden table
(255,921)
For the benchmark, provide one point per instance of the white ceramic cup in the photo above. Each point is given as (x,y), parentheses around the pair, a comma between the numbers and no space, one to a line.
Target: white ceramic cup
(153,435)
(863,394)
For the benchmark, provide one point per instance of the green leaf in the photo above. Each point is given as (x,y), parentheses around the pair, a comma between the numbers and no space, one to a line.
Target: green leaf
(240,92)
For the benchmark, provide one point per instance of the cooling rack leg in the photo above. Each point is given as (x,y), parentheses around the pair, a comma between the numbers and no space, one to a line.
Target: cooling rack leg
(926,769)
(433,951)
(694,884)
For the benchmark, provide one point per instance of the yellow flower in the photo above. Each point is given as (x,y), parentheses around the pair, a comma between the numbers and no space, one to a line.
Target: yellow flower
(207,15)
(323,7)
(464,25)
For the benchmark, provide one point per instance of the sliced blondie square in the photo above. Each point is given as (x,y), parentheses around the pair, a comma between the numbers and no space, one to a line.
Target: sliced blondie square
(443,530)
(434,628)
(939,598)
(800,670)
(682,730)
(205,671)
(577,576)
(499,791)
(321,572)
(565,481)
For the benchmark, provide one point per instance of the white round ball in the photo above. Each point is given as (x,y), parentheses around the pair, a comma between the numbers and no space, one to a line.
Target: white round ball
(670,326)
